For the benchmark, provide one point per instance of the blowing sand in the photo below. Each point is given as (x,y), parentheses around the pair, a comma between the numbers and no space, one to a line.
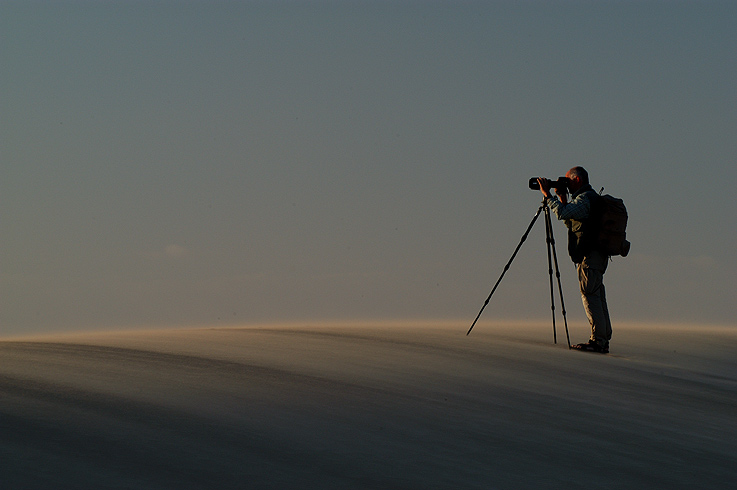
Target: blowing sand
(330,407)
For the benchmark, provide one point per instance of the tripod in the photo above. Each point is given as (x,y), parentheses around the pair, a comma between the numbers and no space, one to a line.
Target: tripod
(552,259)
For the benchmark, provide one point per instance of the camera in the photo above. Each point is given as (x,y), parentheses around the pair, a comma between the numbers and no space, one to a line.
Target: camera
(560,184)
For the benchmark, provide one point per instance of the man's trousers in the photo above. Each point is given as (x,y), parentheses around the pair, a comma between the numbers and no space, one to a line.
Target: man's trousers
(591,281)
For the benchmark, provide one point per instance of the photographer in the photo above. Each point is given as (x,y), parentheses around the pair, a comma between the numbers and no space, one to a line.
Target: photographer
(590,262)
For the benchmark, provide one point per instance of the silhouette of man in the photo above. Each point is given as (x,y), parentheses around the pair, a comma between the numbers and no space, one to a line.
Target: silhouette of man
(580,218)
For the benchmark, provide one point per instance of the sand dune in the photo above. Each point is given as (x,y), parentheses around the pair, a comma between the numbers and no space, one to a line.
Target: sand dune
(368,407)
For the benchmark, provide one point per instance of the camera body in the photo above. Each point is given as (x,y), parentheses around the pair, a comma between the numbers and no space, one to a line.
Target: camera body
(560,184)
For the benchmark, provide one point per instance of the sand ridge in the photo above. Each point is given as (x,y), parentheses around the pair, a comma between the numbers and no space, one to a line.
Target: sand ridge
(367,407)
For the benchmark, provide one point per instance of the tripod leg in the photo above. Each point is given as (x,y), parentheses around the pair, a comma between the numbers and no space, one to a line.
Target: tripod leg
(506,267)
(550,241)
(557,275)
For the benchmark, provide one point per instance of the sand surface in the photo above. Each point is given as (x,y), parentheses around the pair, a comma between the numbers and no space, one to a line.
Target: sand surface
(383,407)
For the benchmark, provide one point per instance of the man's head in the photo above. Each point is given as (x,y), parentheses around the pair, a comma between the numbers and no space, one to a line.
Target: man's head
(577,178)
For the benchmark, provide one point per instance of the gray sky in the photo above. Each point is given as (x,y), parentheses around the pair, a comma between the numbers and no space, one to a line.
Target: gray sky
(182,163)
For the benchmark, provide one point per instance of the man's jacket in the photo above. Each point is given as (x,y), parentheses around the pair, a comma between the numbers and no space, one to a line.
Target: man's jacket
(580,218)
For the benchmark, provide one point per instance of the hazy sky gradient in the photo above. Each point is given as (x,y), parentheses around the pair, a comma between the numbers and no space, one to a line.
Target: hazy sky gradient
(179,163)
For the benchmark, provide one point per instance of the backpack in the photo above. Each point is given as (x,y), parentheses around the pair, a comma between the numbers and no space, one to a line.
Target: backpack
(612,235)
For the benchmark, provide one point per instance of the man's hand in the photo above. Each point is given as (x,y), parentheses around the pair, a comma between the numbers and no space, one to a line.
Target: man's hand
(544,187)
(562,195)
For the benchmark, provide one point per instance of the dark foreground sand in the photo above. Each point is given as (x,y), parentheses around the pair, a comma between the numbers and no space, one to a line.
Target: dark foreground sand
(369,407)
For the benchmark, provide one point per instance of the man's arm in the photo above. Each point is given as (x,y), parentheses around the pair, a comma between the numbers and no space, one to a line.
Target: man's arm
(577,209)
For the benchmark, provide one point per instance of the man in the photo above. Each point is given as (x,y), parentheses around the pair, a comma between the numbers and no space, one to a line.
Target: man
(582,247)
